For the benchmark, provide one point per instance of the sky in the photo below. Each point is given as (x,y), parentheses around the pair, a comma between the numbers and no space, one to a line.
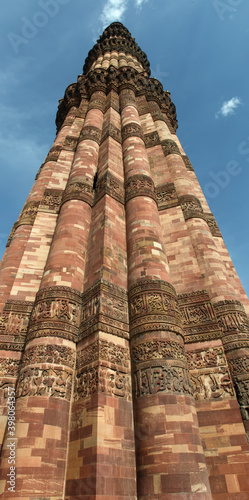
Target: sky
(198,49)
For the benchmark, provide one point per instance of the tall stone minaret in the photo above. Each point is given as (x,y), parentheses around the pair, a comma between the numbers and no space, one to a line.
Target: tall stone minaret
(124,328)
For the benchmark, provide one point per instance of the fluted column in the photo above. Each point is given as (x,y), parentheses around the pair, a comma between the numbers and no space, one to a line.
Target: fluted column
(101,453)
(229,310)
(45,382)
(165,415)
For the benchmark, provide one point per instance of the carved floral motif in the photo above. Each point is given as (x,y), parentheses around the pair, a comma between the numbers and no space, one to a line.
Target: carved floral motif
(9,367)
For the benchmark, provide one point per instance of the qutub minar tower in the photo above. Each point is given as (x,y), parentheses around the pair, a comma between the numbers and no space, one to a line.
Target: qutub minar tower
(124,327)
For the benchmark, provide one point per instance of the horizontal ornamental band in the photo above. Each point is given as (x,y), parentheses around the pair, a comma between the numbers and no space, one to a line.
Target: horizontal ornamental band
(56,313)
(90,133)
(79,189)
(153,306)
(104,80)
(132,130)
(139,185)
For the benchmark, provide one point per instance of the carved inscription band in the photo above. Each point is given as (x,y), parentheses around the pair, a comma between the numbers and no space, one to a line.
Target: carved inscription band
(153,306)
(56,313)
(79,189)
(139,185)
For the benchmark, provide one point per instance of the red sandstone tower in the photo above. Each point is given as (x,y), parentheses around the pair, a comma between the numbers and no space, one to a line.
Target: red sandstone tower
(124,333)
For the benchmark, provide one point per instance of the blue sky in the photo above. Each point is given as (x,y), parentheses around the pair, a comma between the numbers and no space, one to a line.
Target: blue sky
(198,49)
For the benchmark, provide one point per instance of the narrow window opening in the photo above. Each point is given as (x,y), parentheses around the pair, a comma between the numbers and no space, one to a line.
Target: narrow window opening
(95,180)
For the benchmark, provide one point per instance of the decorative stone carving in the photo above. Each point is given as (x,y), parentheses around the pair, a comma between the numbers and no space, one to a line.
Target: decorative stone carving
(212,385)
(108,184)
(90,133)
(209,358)
(78,189)
(154,90)
(12,232)
(231,317)
(166,196)
(59,303)
(158,115)
(127,98)
(70,143)
(51,200)
(56,313)
(111,131)
(104,351)
(53,154)
(238,341)
(105,308)
(98,101)
(152,139)
(50,355)
(161,378)
(209,374)
(71,99)
(132,130)
(191,207)
(187,163)
(50,382)
(14,319)
(157,349)
(242,391)
(153,306)
(143,108)
(198,316)
(103,380)
(28,214)
(9,367)
(99,81)
(139,185)
(170,147)
(121,41)
(212,224)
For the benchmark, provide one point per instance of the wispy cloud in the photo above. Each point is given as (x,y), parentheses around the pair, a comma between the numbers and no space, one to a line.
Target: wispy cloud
(138,3)
(228,107)
(113,11)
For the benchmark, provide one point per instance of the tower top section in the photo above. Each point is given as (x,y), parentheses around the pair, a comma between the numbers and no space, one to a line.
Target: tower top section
(115,63)
(116,38)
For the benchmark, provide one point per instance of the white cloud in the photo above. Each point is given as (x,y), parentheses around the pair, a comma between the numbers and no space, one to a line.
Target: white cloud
(228,107)
(138,3)
(113,11)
